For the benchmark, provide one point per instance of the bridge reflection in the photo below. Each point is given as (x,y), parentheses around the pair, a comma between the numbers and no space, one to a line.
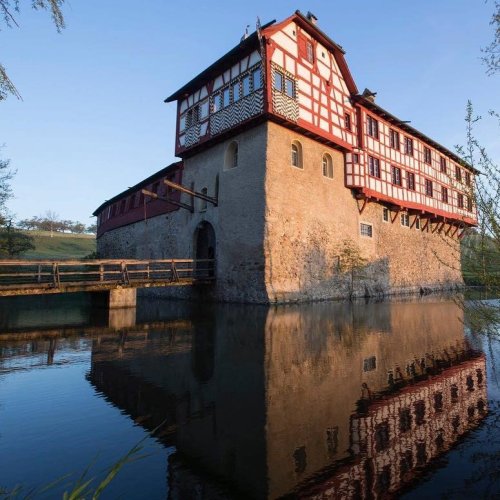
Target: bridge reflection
(319,400)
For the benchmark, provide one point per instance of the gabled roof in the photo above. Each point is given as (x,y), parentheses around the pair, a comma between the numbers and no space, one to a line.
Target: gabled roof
(145,182)
(375,108)
(234,55)
(324,39)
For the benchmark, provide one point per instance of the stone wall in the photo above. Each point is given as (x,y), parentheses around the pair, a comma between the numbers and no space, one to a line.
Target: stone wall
(238,221)
(280,229)
(310,216)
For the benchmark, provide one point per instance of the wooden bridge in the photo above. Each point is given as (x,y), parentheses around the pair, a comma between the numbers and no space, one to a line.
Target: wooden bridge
(119,277)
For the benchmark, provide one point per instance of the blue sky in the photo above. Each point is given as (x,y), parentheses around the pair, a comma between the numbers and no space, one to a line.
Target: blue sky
(92,121)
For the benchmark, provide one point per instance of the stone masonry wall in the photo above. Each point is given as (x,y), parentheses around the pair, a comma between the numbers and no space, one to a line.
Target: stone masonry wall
(309,216)
(238,221)
(279,229)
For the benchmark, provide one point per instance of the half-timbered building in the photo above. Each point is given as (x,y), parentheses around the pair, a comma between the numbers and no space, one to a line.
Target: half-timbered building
(291,177)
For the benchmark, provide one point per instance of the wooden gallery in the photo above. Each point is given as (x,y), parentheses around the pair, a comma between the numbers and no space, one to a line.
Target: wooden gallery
(300,187)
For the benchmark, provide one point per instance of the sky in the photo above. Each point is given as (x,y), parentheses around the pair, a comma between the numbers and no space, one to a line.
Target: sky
(92,121)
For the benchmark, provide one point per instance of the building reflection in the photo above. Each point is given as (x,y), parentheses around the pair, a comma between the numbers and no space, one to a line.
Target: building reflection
(316,401)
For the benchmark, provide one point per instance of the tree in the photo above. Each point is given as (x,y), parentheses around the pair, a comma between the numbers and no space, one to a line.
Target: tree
(13,242)
(91,229)
(6,174)
(351,262)
(9,9)
(491,53)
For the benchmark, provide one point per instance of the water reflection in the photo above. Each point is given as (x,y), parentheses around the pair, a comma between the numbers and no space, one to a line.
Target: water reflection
(319,400)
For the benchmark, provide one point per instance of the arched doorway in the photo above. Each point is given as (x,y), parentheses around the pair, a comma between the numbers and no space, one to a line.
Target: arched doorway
(204,242)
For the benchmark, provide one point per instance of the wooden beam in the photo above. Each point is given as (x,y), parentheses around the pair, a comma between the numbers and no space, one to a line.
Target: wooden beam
(183,189)
(146,192)
(414,221)
(396,213)
(363,206)
(424,227)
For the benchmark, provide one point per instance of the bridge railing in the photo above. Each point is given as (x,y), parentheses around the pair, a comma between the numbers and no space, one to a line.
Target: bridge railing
(44,273)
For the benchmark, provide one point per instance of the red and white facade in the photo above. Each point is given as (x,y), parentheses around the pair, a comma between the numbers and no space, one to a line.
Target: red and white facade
(295,75)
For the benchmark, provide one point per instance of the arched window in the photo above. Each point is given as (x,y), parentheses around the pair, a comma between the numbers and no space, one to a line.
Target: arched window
(231,156)
(327,164)
(296,151)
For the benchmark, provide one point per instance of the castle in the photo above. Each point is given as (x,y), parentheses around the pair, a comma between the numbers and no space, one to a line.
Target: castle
(301,187)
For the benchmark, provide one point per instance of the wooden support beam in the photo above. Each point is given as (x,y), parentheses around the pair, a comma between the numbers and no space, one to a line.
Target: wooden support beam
(414,221)
(363,205)
(425,226)
(396,213)
(448,230)
(183,189)
(146,192)
(457,227)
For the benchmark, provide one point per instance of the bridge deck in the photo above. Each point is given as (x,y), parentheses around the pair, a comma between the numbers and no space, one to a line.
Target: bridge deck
(21,277)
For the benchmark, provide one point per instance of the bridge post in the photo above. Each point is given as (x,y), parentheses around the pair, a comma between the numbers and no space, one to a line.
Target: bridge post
(122,297)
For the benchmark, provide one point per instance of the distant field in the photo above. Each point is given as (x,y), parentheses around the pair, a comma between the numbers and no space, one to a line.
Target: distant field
(60,246)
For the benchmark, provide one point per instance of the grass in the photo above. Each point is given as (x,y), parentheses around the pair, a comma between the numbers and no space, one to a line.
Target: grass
(60,245)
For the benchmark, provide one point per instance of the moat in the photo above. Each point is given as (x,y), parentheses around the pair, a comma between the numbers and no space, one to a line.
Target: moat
(324,400)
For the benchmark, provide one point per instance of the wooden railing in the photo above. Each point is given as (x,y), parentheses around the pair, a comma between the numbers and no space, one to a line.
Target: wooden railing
(21,274)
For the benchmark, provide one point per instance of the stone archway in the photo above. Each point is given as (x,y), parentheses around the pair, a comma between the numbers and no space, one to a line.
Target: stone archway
(205,246)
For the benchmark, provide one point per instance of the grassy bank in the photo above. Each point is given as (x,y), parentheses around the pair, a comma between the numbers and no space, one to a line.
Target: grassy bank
(60,245)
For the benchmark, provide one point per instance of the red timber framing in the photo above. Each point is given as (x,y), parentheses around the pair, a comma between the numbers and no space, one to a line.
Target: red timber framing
(133,205)
(293,74)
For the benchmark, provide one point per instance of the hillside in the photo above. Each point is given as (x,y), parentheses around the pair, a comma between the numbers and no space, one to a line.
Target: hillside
(60,246)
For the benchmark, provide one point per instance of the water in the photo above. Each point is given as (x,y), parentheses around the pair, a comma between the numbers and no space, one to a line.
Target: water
(326,400)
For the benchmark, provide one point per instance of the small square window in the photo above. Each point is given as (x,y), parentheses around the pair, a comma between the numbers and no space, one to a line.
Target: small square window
(366,230)
(347,121)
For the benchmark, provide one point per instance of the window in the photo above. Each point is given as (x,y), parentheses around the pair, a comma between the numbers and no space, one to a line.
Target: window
(405,219)
(296,154)
(216,104)
(182,123)
(278,81)
(374,166)
(289,87)
(438,401)
(444,194)
(385,214)
(410,181)
(405,419)
(226,97)
(366,230)
(246,85)
(409,146)
(394,139)
(396,176)
(347,121)
(372,127)
(427,155)
(417,223)
(428,187)
(257,81)
(458,173)
(382,436)
(231,156)
(467,178)
(204,109)
(442,164)
(420,412)
(310,51)
(370,364)
(327,164)
(460,200)
(469,203)
(236,91)
(355,158)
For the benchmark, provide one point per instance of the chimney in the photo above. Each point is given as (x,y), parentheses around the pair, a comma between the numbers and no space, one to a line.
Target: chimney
(311,17)
(369,95)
